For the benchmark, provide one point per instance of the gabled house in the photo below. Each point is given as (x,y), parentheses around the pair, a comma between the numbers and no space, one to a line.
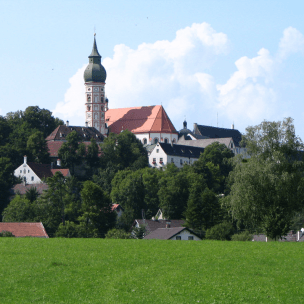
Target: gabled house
(152,225)
(24,229)
(177,233)
(32,173)
(203,136)
(56,139)
(179,155)
(150,124)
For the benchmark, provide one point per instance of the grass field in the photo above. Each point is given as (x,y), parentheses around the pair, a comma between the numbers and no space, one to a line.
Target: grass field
(149,271)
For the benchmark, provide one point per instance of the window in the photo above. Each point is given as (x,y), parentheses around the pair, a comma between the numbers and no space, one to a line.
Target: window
(20,171)
(154,161)
(190,238)
(178,238)
(181,161)
(160,160)
(28,171)
(145,141)
(172,160)
(32,178)
(24,171)
(166,140)
(174,140)
(157,150)
(156,140)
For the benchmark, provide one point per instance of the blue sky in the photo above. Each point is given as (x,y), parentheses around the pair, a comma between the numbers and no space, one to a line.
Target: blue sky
(240,61)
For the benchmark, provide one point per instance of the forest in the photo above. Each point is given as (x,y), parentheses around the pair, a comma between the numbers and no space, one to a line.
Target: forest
(219,196)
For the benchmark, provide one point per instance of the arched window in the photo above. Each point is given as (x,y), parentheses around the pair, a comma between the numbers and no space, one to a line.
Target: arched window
(95,116)
(89,108)
(89,98)
(155,140)
(166,141)
(174,141)
(145,141)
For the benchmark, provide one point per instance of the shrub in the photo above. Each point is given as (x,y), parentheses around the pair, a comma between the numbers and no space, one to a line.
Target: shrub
(117,234)
(69,230)
(5,233)
(243,236)
(222,232)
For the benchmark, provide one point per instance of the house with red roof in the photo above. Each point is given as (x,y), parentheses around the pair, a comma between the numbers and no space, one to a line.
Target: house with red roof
(32,173)
(24,229)
(56,139)
(150,124)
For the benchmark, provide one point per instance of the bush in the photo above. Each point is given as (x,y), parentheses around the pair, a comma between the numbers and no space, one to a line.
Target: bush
(117,234)
(5,233)
(222,232)
(243,236)
(69,230)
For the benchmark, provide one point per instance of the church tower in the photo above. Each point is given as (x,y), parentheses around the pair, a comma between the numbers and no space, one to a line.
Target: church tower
(96,102)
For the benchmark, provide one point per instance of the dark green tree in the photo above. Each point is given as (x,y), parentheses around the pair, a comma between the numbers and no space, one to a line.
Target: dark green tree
(97,216)
(31,194)
(72,152)
(268,189)
(92,158)
(37,148)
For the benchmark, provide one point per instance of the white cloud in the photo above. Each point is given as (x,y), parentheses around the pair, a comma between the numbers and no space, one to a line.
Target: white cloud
(72,108)
(291,42)
(177,75)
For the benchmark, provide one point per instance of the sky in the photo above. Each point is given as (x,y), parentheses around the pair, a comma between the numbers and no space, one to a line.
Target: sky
(212,62)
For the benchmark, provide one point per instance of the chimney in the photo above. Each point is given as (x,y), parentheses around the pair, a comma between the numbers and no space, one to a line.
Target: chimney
(67,123)
(232,126)
(25,159)
(168,224)
(194,127)
(59,162)
(86,124)
(52,165)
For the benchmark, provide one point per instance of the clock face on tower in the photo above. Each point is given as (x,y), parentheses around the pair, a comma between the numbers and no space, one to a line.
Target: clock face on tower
(95,89)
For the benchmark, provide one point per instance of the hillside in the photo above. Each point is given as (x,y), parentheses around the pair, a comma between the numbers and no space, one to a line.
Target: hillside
(149,271)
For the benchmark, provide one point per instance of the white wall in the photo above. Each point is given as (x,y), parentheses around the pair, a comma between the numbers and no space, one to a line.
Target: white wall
(169,136)
(168,158)
(25,171)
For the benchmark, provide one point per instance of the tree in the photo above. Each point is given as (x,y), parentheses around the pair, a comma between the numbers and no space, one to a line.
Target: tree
(71,152)
(221,232)
(6,181)
(97,215)
(124,150)
(37,148)
(31,194)
(215,166)
(203,207)
(92,158)
(268,189)
(20,209)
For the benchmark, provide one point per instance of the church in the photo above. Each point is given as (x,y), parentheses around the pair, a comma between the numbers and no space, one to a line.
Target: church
(150,124)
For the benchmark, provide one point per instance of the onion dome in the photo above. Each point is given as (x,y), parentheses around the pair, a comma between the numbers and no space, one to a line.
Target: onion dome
(95,72)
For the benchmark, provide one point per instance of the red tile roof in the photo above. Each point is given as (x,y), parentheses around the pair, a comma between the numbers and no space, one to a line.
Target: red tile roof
(44,170)
(21,188)
(24,229)
(54,147)
(139,120)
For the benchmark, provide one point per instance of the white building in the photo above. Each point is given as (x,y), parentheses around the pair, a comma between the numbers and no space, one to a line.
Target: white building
(164,154)
(32,173)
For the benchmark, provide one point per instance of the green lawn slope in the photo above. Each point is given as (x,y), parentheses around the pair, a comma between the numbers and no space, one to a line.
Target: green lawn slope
(148,271)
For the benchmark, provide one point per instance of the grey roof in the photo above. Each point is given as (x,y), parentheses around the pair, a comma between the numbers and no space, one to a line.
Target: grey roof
(182,150)
(95,72)
(94,52)
(152,225)
(214,132)
(85,133)
(164,233)
(203,143)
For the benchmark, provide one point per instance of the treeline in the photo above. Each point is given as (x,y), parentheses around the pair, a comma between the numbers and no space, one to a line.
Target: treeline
(22,133)
(216,196)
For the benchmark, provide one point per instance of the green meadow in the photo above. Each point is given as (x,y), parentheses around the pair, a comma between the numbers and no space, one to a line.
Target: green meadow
(149,271)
